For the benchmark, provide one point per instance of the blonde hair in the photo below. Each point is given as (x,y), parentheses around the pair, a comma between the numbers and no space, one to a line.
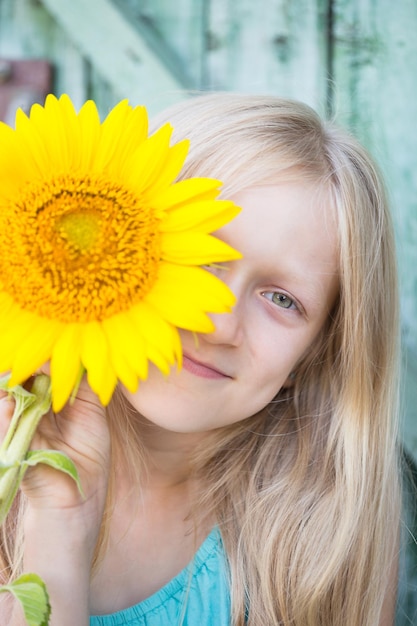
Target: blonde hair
(305,492)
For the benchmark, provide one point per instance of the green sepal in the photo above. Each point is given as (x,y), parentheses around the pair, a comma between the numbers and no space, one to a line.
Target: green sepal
(55,459)
(30,591)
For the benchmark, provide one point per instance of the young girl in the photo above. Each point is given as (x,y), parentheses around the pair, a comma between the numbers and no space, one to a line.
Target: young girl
(259,485)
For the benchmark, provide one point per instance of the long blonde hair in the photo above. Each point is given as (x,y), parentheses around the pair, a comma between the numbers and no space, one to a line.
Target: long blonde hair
(305,492)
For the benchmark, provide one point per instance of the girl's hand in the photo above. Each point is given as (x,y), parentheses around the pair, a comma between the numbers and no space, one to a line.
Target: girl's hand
(80,431)
(61,526)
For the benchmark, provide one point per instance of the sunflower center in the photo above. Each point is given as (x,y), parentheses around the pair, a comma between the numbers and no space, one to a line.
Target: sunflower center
(80,229)
(79,249)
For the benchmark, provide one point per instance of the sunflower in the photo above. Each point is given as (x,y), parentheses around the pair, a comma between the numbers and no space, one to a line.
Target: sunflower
(100,249)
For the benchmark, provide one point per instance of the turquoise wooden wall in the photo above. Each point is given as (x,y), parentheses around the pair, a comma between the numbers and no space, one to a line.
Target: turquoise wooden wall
(355,59)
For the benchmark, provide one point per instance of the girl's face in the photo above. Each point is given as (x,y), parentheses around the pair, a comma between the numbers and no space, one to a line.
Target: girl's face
(285,287)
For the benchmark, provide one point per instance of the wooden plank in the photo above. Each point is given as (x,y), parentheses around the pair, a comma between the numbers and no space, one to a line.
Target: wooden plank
(376,84)
(178,25)
(117,51)
(269,46)
(410,402)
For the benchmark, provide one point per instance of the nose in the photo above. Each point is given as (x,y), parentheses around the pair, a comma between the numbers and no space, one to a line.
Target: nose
(229,327)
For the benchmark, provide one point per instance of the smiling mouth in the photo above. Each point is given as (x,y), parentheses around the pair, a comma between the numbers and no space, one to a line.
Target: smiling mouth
(201,369)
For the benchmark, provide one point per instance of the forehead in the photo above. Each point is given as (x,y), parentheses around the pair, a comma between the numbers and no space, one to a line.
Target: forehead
(296,210)
(288,231)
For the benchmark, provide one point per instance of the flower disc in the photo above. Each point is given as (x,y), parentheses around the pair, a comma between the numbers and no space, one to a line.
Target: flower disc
(100,248)
(80,250)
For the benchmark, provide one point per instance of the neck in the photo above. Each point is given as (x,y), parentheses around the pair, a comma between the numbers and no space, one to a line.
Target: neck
(167,455)
(163,485)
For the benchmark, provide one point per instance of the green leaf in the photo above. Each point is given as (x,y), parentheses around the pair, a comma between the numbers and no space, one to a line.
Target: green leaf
(55,459)
(30,591)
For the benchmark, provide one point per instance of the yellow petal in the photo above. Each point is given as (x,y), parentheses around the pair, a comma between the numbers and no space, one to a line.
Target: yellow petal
(28,137)
(174,160)
(36,349)
(196,249)
(90,131)
(65,364)
(154,163)
(159,336)
(130,126)
(158,360)
(205,216)
(125,338)
(175,312)
(184,191)
(53,129)
(120,364)
(16,164)
(17,335)
(183,295)
(95,358)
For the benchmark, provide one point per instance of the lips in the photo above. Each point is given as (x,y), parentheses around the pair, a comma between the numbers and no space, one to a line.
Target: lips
(203,370)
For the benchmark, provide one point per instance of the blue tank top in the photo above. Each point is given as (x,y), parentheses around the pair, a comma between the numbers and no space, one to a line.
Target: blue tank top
(197,596)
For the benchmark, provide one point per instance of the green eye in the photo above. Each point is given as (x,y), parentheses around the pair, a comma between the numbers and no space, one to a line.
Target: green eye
(280,299)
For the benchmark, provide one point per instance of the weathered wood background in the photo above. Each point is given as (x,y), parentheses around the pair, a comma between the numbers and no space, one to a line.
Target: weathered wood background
(352,59)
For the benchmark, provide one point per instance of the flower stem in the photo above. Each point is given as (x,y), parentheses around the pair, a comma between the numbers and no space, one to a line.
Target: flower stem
(18,439)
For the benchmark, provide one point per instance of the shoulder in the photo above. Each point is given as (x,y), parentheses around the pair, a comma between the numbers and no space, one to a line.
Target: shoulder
(199,594)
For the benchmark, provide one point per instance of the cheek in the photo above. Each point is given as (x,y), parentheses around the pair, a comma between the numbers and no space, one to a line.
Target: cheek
(265,384)
(276,360)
